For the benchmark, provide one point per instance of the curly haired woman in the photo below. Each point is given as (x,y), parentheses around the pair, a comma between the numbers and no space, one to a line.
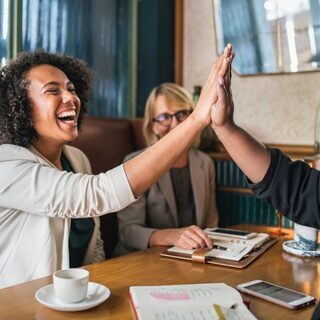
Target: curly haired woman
(45,183)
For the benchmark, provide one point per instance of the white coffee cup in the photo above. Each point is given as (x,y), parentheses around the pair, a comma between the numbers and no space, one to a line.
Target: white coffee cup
(307,237)
(71,285)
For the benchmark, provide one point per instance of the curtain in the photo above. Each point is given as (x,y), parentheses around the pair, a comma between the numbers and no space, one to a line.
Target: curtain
(95,31)
(4,27)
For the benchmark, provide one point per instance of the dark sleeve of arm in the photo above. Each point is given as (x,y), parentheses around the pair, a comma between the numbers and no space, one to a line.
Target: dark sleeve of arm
(292,187)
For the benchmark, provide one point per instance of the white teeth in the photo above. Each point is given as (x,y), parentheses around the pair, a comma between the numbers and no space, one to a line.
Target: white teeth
(67,114)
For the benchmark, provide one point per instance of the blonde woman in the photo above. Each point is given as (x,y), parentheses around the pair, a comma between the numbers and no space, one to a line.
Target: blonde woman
(182,202)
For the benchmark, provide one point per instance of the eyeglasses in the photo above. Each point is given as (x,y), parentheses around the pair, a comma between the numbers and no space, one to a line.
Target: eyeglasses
(165,119)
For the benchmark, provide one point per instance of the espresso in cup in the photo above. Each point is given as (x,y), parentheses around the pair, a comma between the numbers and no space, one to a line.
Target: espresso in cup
(71,285)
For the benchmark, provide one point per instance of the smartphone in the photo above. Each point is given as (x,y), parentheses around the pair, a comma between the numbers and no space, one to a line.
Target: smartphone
(241,234)
(271,292)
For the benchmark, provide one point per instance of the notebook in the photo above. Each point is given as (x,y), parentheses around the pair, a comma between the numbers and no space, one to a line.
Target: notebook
(229,248)
(227,251)
(204,301)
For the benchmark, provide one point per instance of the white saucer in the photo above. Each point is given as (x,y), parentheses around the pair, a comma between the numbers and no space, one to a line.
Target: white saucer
(97,293)
(293,247)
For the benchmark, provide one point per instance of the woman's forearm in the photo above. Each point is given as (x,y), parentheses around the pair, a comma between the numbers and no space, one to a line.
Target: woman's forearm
(251,156)
(163,237)
(145,169)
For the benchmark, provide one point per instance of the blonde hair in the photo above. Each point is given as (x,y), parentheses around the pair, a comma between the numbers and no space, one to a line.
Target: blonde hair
(174,94)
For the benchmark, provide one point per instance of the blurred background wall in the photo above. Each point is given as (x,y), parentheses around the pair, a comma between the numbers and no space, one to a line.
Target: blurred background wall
(274,108)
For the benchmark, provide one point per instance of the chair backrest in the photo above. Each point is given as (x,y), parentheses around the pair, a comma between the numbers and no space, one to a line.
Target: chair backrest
(106,142)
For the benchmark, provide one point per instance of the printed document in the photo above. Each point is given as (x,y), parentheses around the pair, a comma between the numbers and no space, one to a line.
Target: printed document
(204,301)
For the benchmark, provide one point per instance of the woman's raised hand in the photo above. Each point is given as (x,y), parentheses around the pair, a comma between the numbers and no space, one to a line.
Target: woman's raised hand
(209,93)
(222,111)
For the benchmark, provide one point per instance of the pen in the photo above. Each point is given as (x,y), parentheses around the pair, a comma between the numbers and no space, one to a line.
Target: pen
(220,247)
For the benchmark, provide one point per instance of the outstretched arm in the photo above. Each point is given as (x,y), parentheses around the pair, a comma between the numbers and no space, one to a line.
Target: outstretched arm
(251,156)
(145,169)
(292,187)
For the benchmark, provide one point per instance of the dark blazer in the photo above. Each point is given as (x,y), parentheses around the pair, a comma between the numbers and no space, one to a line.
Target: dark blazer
(156,208)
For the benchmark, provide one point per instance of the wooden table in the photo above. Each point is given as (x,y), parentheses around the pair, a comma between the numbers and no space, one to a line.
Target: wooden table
(148,268)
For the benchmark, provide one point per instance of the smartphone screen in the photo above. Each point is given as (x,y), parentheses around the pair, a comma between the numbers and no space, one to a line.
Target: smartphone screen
(285,295)
(231,231)
(277,294)
(242,234)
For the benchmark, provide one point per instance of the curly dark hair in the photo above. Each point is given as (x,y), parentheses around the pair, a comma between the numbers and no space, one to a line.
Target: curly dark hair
(16,123)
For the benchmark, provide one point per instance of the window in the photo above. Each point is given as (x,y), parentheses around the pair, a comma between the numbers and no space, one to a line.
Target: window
(270,36)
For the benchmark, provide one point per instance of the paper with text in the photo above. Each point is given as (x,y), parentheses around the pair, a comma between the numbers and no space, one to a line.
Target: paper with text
(189,302)
(231,248)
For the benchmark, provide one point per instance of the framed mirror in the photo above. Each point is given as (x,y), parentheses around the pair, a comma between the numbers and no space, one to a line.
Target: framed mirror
(270,36)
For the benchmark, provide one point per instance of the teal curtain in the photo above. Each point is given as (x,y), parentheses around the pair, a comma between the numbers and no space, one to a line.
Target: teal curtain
(4,30)
(155,47)
(96,31)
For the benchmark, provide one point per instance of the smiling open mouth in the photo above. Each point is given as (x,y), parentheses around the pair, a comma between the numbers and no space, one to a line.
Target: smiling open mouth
(67,117)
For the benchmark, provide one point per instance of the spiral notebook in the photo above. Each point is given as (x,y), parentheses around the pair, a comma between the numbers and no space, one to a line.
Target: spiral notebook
(205,301)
